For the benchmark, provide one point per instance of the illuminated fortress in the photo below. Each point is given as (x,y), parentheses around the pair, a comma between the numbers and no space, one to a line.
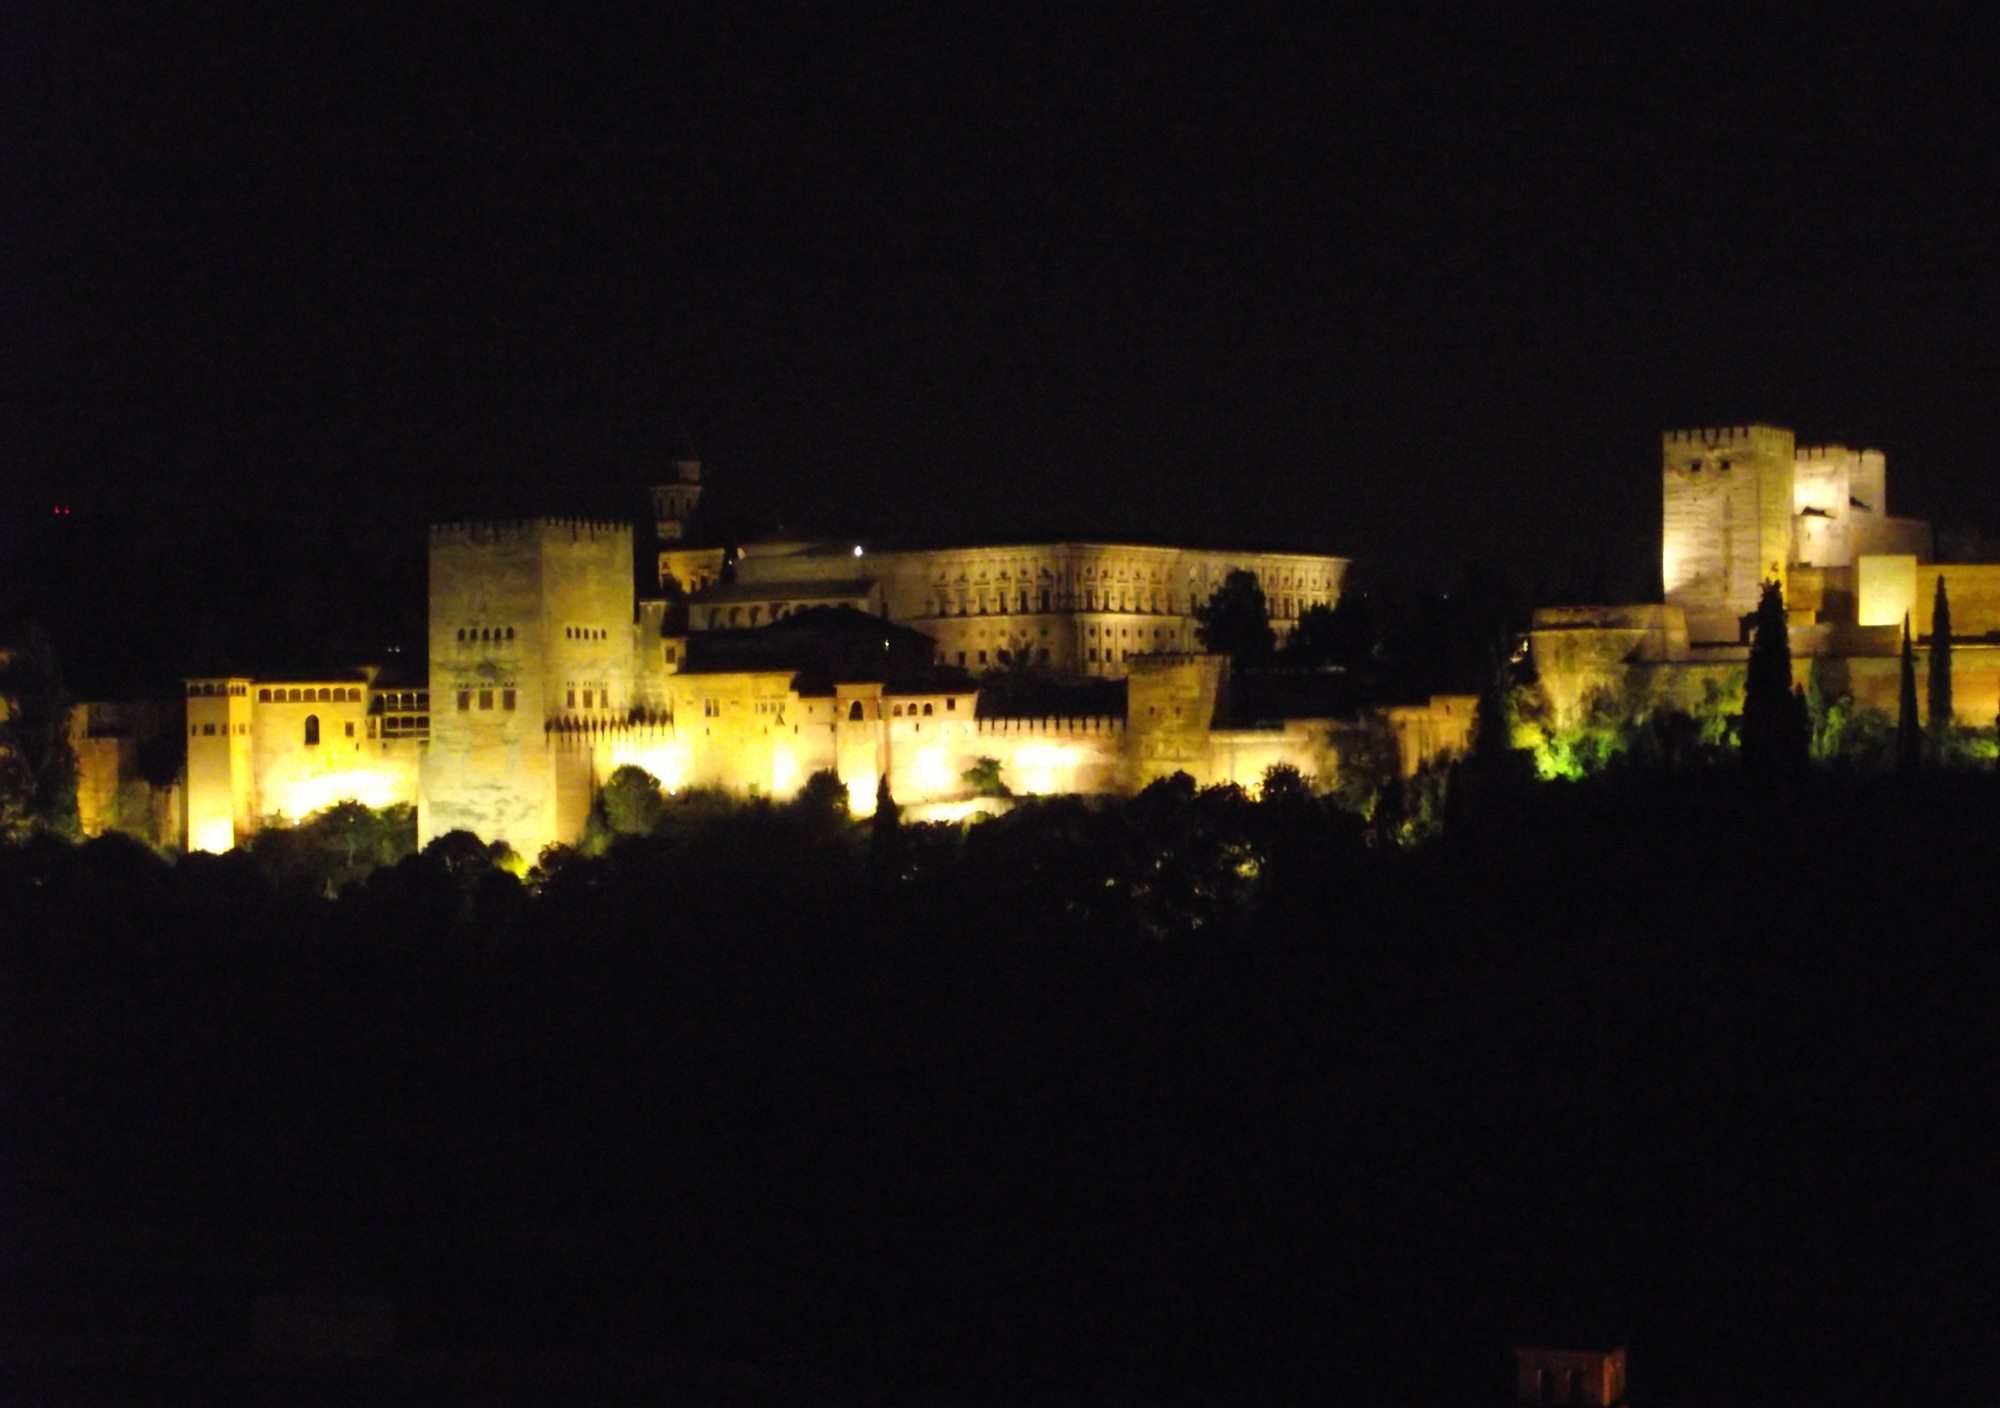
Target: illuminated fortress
(757,665)
(1745,505)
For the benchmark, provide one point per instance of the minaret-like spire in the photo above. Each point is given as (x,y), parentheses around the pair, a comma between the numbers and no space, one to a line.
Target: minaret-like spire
(674,501)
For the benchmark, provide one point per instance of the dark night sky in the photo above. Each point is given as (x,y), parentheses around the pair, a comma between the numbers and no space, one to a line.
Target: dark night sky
(1418,291)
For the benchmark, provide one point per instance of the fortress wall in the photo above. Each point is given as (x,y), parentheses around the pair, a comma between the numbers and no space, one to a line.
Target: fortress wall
(1974,593)
(1875,681)
(1040,757)
(295,779)
(1243,756)
(1432,732)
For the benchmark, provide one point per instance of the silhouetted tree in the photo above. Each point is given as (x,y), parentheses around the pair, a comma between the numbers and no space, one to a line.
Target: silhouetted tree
(885,837)
(1236,621)
(1909,737)
(1937,710)
(823,794)
(1776,736)
(632,802)
(1341,634)
(36,733)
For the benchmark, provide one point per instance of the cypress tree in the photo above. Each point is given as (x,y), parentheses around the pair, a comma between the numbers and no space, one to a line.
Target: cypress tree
(1937,711)
(1773,731)
(885,838)
(1909,737)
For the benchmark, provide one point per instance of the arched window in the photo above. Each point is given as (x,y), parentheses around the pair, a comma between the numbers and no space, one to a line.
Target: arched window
(461,633)
(312,730)
(263,696)
(854,712)
(326,696)
(510,633)
(927,711)
(296,696)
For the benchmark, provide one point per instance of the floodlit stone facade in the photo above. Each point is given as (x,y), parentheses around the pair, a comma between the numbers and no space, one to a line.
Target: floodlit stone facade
(275,751)
(1076,608)
(1745,505)
(758,666)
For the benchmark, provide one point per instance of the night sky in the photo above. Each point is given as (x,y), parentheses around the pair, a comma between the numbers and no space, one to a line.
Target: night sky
(1419,292)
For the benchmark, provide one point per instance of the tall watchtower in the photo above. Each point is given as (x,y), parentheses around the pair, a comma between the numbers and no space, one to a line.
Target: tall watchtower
(674,501)
(218,800)
(530,634)
(1727,524)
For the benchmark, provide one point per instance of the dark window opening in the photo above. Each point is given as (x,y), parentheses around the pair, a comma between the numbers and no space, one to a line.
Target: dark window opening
(312,730)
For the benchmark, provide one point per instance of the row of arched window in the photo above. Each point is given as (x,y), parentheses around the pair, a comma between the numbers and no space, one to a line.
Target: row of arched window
(578,633)
(486,633)
(324,695)
(210,690)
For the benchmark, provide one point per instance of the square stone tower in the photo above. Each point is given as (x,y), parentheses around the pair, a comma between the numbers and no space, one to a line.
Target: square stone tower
(530,637)
(1727,525)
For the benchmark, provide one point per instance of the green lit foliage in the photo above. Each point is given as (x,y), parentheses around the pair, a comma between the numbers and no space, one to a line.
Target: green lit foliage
(984,780)
(1630,729)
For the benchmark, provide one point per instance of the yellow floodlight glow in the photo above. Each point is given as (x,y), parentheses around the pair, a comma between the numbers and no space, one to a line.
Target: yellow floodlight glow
(667,762)
(1044,768)
(934,776)
(369,786)
(861,795)
(214,834)
(784,771)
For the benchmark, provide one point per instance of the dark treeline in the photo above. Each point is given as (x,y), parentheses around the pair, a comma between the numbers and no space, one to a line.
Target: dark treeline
(1188,1098)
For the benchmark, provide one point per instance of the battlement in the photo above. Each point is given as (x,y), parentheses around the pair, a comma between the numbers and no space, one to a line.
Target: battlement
(1727,437)
(1088,726)
(480,532)
(648,725)
(1834,452)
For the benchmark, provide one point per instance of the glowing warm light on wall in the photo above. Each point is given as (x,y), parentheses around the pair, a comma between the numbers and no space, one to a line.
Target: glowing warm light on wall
(667,763)
(933,772)
(216,835)
(861,795)
(784,771)
(364,785)
(1046,767)
(1671,569)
